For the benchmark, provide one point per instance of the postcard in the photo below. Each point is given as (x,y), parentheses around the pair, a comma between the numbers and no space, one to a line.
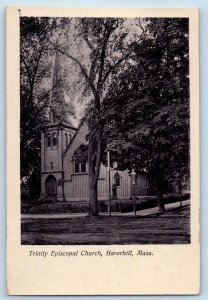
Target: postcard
(102,151)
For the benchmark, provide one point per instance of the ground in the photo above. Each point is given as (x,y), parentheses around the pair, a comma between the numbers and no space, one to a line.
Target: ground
(172,227)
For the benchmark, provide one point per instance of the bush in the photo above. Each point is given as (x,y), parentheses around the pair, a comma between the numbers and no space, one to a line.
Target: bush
(54,208)
(127,205)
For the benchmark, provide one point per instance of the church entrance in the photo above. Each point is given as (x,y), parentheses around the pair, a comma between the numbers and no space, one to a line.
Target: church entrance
(51,186)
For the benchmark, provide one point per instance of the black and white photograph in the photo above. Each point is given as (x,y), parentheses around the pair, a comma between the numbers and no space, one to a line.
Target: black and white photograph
(104,130)
(102,151)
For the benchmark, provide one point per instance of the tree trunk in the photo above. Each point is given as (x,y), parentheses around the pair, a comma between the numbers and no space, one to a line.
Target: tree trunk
(94,170)
(93,201)
(160,201)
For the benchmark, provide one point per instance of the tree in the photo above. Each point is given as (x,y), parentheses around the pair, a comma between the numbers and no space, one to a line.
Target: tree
(105,50)
(37,83)
(149,113)
(33,100)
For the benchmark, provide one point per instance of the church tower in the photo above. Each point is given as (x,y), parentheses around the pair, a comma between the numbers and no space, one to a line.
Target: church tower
(55,138)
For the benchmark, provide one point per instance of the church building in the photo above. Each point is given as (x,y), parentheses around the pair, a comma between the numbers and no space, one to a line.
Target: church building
(63,178)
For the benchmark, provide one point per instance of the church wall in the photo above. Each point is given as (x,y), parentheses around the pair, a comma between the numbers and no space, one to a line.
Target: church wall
(75,186)
(51,156)
(78,187)
(52,153)
(123,191)
(43,146)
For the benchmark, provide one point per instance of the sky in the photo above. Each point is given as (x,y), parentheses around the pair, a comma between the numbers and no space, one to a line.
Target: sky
(74,83)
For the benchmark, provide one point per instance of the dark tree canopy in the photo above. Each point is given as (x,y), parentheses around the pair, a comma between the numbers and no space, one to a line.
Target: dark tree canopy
(135,80)
(149,113)
(37,84)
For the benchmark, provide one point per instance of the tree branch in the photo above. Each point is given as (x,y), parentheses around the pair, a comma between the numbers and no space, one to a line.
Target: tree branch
(83,69)
(140,25)
(112,68)
(88,42)
(37,65)
(107,35)
(46,94)
(27,69)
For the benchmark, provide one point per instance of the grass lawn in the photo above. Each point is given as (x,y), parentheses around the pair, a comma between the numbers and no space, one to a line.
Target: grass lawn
(172,227)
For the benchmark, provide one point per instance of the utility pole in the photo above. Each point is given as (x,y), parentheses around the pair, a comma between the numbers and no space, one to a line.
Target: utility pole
(109,185)
(134,183)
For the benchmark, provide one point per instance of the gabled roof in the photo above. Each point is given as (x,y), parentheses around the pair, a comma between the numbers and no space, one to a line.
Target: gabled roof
(74,136)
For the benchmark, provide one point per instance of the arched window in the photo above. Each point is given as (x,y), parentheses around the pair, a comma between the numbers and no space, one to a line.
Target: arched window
(48,140)
(54,139)
(70,137)
(117,179)
(66,139)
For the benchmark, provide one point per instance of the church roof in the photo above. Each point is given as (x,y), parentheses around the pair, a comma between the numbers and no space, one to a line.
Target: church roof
(64,124)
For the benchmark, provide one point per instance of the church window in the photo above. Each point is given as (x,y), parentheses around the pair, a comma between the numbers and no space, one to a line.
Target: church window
(54,140)
(83,167)
(51,163)
(117,179)
(76,167)
(70,137)
(48,141)
(66,139)
(80,167)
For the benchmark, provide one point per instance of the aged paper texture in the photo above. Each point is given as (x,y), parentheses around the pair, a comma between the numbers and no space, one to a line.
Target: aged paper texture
(56,245)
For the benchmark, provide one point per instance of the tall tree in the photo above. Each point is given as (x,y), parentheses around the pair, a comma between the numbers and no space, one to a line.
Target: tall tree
(105,50)
(34,97)
(149,113)
(37,82)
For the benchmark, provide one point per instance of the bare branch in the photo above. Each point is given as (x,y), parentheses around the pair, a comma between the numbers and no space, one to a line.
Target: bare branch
(107,35)
(47,93)
(89,44)
(92,67)
(143,29)
(112,68)
(44,73)
(140,25)
(37,65)
(27,69)
(83,69)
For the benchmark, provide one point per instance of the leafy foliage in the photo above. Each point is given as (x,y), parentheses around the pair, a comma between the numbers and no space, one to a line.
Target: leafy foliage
(36,86)
(149,114)
(135,80)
